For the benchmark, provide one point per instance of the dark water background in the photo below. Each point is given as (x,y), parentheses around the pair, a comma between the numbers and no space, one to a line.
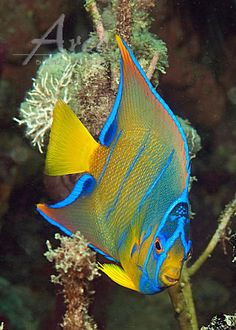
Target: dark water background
(200,85)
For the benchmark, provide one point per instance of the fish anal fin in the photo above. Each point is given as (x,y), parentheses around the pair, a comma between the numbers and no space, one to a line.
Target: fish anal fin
(118,275)
(46,212)
(70,146)
(77,213)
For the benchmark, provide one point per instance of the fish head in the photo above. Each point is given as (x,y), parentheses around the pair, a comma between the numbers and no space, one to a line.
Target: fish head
(166,251)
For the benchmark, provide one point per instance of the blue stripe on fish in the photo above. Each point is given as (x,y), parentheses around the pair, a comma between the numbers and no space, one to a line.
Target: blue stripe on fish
(152,186)
(109,156)
(146,235)
(83,186)
(134,248)
(107,256)
(54,223)
(109,129)
(124,180)
(122,239)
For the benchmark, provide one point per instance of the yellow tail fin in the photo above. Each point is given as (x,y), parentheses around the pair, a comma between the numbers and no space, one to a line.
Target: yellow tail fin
(118,275)
(70,146)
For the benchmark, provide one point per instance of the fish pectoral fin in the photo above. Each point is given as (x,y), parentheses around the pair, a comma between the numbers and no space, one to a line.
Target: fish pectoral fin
(118,275)
(70,145)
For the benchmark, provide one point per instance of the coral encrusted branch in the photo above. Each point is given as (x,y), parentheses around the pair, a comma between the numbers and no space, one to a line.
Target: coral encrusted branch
(76,267)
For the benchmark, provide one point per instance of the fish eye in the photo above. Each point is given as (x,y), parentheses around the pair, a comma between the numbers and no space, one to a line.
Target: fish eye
(158,246)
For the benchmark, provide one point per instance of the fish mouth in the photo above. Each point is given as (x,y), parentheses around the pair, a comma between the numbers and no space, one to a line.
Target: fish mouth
(168,280)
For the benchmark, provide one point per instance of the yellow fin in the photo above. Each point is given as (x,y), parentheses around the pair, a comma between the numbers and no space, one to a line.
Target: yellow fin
(118,275)
(70,146)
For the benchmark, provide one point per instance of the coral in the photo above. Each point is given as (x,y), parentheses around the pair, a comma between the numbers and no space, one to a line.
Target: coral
(124,20)
(221,322)
(193,139)
(76,268)
(80,80)
(36,110)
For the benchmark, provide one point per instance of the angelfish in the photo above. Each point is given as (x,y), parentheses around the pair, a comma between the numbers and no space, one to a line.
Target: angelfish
(131,200)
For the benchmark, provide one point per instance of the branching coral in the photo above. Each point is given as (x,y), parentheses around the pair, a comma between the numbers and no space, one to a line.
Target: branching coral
(222,322)
(80,80)
(51,83)
(76,268)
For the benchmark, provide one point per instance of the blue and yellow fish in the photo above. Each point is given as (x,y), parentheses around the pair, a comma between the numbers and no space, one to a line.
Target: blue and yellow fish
(131,201)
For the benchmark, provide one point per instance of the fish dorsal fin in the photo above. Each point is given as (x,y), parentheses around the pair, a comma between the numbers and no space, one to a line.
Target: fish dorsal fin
(118,275)
(70,146)
(138,107)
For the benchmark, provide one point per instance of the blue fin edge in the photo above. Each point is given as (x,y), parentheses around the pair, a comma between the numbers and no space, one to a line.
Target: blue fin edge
(54,223)
(110,127)
(85,185)
(165,105)
(107,256)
